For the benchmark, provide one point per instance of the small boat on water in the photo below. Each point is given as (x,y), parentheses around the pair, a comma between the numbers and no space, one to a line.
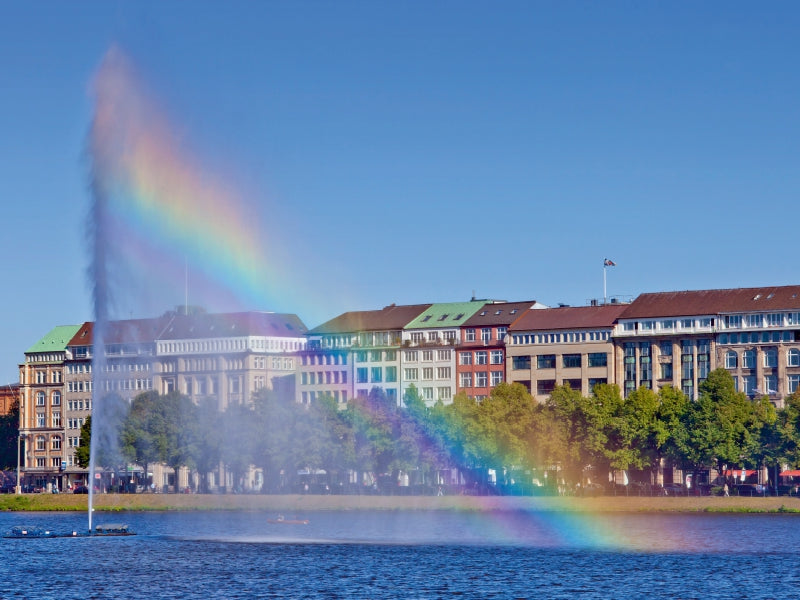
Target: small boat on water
(112,529)
(281,521)
(22,531)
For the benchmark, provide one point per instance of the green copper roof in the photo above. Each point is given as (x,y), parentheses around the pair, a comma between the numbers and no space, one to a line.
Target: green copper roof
(447,314)
(56,340)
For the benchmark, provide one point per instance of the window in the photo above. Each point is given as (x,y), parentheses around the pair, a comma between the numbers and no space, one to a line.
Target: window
(501,333)
(411,356)
(361,357)
(480,379)
(666,371)
(496,357)
(731,360)
(628,326)
(411,374)
(41,420)
(377,374)
(770,384)
(753,320)
(598,359)
(774,319)
(445,393)
(668,324)
(545,386)
(546,361)
(521,362)
(733,321)
(427,355)
(40,461)
(465,358)
(794,381)
(56,418)
(749,359)
(598,381)
(41,377)
(427,373)
(469,335)
(665,348)
(41,442)
(497,378)
(771,357)
(793,358)
(646,326)
(391,355)
(465,380)
(55,443)
(481,357)
(571,361)
(443,355)
(39,398)
(749,385)
(391,374)
(417,337)
(687,323)
(376,355)
(427,393)
(486,334)
(362,375)
(443,373)
(433,336)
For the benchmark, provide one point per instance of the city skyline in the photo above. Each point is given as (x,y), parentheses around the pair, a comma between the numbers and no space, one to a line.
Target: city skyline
(423,153)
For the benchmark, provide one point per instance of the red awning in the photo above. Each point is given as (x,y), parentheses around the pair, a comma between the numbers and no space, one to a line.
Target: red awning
(795,473)
(738,472)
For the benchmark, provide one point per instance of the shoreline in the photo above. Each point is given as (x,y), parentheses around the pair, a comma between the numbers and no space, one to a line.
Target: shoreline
(301,502)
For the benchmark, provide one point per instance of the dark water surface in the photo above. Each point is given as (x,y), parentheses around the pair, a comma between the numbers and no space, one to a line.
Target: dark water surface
(407,555)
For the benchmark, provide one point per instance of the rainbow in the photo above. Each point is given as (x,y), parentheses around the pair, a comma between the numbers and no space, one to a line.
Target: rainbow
(163,214)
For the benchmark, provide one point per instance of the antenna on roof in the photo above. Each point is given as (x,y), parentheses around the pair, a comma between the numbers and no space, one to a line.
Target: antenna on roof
(473,296)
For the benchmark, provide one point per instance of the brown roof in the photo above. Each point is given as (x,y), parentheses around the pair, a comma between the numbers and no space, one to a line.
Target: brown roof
(710,302)
(388,318)
(569,317)
(205,325)
(131,331)
(498,313)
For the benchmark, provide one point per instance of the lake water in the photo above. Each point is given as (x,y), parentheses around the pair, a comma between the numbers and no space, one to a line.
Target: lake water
(414,554)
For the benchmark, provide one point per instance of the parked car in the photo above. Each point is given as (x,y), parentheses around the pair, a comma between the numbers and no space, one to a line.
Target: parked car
(81,489)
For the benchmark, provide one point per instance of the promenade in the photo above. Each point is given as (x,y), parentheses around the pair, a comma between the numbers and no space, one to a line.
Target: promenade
(299,503)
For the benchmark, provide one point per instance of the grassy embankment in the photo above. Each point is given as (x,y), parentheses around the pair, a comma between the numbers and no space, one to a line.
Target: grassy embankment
(188,502)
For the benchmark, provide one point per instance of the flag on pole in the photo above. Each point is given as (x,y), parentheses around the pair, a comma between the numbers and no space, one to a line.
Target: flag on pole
(609,263)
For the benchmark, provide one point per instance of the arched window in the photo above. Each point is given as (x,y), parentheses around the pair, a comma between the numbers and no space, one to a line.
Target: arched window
(40,442)
(794,358)
(749,359)
(55,442)
(771,357)
(731,360)
(39,398)
(56,398)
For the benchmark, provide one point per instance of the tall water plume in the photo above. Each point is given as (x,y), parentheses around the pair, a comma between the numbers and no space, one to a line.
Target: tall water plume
(157,219)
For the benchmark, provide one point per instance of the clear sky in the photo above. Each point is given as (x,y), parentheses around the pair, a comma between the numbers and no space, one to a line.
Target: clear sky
(421,151)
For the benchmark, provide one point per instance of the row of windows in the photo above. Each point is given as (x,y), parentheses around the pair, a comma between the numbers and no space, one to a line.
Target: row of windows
(377,355)
(339,397)
(481,378)
(545,387)
(668,325)
(41,377)
(127,385)
(376,374)
(222,345)
(79,404)
(75,423)
(55,398)
(74,369)
(486,334)
(495,357)
(427,355)
(278,363)
(558,338)
(757,337)
(412,374)
(41,442)
(568,361)
(324,359)
(55,419)
(770,356)
(322,377)
(55,462)
(761,320)
(419,337)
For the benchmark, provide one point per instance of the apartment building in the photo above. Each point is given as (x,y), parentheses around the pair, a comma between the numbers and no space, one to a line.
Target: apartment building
(481,360)
(41,425)
(354,352)
(9,396)
(228,356)
(565,345)
(752,332)
(428,359)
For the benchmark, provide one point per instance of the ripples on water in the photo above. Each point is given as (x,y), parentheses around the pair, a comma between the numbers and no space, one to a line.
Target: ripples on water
(405,555)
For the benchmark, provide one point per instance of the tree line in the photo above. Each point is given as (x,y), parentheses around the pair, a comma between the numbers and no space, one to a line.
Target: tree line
(508,432)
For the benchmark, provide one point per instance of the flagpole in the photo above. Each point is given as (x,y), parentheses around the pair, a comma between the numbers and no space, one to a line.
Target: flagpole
(604,282)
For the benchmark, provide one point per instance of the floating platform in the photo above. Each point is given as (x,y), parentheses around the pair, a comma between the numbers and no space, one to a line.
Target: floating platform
(107,530)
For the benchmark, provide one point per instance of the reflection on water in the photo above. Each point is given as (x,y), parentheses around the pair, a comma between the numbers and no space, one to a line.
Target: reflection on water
(409,555)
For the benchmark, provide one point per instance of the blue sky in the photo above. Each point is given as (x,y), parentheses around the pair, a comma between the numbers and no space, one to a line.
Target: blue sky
(416,152)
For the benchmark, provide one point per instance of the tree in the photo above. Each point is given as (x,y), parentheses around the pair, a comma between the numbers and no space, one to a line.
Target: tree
(9,437)
(83,451)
